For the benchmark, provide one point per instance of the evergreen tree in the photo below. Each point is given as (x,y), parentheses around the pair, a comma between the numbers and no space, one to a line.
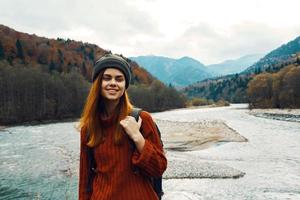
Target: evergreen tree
(1,51)
(51,66)
(20,52)
(83,69)
(298,60)
(60,60)
(91,54)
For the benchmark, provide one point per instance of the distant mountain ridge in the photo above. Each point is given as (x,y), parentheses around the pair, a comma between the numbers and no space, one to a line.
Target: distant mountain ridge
(178,72)
(186,70)
(233,87)
(282,53)
(235,66)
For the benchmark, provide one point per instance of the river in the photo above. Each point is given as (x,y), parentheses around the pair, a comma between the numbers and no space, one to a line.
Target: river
(41,162)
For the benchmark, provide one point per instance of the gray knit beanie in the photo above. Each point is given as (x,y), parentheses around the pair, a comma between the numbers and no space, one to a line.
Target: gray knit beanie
(112,61)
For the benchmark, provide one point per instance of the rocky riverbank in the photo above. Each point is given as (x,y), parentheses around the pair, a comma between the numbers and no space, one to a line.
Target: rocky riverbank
(187,166)
(292,115)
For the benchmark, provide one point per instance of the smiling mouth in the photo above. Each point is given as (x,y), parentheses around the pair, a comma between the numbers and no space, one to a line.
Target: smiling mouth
(112,91)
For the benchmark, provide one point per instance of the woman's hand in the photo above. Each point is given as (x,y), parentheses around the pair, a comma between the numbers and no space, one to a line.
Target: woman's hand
(132,128)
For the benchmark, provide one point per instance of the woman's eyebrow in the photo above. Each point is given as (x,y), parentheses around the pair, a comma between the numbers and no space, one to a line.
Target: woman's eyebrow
(117,76)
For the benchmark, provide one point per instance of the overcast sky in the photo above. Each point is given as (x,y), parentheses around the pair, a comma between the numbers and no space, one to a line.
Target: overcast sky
(210,31)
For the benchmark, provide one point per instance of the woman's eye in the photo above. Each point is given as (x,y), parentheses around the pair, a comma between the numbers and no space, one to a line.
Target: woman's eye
(106,78)
(119,79)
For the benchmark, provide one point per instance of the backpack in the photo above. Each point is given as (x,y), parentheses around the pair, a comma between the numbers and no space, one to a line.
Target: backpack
(156,182)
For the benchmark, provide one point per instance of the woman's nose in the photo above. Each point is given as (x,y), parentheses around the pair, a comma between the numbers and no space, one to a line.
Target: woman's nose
(113,81)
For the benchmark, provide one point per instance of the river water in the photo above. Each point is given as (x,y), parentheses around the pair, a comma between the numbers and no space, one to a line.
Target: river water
(41,162)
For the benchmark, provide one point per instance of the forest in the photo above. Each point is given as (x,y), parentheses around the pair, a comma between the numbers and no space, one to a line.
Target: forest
(49,79)
(235,88)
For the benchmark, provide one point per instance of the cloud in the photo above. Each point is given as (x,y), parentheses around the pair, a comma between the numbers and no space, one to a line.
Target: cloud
(211,45)
(141,27)
(109,21)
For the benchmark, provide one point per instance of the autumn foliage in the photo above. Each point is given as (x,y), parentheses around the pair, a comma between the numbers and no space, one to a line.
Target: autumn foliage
(276,90)
(61,55)
(49,79)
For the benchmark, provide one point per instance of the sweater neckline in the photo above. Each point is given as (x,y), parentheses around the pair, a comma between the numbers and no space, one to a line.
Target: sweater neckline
(106,122)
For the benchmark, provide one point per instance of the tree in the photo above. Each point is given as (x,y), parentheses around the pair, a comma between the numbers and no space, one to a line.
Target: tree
(298,60)
(1,51)
(291,83)
(43,54)
(91,54)
(83,69)
(260,91)
(20,52)
(60,60)
(51,66)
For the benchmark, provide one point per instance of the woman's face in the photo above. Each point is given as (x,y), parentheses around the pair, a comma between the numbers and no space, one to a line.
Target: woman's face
(113,84)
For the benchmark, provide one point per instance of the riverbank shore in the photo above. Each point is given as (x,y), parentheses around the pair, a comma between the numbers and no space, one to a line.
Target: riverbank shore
(39,122)
(292,115)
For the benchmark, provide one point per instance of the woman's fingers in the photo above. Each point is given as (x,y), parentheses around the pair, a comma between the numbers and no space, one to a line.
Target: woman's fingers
(130,125)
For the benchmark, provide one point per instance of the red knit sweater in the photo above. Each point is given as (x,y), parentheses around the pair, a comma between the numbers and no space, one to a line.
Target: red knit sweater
(115,178)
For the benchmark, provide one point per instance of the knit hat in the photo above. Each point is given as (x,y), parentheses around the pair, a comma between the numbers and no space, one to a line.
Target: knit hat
(112,61)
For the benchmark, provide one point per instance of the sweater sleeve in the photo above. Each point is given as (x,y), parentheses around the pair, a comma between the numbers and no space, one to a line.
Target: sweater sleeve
(83,171)
(152,159)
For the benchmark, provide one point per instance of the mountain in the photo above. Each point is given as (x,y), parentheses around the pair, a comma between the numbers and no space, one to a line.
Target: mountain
(178,72)
(234,66)
(49,79)
(282,53)
(59,55)
(233,87)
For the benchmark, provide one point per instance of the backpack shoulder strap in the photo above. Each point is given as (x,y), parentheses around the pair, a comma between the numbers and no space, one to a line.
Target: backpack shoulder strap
(91,163)
(156,182)
(136,113)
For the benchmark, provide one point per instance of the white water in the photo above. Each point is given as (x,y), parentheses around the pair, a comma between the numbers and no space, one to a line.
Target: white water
(41,162)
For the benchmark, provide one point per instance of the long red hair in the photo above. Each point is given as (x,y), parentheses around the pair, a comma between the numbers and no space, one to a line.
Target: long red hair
(90,118)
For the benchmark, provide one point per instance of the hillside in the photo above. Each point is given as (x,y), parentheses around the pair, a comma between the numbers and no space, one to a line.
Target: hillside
(49,79)
(178,72)
(233,88)
(63,56)
(275,57)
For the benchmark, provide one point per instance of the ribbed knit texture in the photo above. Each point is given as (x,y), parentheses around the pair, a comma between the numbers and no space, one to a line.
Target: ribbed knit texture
(116,178)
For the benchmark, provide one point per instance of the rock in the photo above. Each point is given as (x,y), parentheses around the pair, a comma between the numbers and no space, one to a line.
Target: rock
(190,168)
(188,136)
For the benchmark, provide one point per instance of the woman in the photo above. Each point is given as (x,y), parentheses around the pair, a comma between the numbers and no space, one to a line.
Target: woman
(121,172)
